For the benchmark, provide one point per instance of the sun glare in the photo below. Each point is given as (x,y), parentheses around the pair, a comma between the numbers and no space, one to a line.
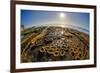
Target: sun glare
(62,15)
(62,25)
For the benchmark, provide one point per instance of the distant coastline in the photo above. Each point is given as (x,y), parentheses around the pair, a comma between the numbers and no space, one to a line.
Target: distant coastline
(63,25)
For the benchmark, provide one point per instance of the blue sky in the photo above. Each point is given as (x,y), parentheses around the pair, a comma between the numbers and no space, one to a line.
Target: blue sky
(31,18)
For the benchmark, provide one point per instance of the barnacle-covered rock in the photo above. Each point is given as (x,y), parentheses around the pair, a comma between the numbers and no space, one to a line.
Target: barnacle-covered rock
(54,44)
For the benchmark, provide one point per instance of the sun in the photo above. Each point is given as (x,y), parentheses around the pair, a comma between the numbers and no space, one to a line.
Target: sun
(62,15)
